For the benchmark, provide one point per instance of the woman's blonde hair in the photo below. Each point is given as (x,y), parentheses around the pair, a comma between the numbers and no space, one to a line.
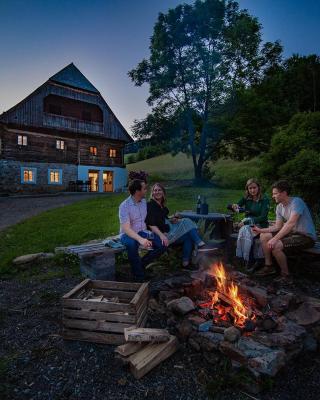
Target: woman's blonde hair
(250,182)
(163,200)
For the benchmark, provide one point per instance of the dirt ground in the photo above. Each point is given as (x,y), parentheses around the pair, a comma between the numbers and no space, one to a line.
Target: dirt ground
(36,363)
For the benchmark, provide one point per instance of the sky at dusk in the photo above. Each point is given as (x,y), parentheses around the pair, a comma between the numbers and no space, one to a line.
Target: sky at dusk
(107,38)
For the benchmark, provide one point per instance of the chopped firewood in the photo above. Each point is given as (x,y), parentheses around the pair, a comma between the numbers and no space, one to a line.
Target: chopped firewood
(133,334)
(150,356)
(127,349)
(97,298)
(112,300)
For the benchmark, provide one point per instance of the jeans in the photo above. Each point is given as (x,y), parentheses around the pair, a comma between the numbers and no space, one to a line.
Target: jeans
(137,263)
(188,240)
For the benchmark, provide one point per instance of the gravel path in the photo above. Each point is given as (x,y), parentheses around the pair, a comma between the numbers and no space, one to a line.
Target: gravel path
(16,209)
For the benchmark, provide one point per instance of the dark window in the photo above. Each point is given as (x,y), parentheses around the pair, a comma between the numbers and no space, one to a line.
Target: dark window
(86,115)
(55,109)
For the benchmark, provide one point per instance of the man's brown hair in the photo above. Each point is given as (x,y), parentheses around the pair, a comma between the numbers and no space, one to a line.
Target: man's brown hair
(135,186)
(282,186)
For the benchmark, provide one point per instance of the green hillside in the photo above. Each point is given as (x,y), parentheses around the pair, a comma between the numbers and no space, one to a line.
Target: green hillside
(228,173)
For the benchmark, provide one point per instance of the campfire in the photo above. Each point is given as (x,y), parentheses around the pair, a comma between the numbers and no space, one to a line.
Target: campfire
(225,303)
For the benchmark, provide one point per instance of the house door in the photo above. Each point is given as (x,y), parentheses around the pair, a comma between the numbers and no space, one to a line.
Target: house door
(108,181)
(94,181)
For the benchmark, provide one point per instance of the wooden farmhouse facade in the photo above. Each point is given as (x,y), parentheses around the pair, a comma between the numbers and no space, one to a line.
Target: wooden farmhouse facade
(60,136)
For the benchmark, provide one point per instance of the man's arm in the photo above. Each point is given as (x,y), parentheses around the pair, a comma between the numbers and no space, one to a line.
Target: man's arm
(131,233)
(288,226)
(274,228)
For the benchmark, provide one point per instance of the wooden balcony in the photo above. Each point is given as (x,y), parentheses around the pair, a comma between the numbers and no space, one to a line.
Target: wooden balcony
(72,124)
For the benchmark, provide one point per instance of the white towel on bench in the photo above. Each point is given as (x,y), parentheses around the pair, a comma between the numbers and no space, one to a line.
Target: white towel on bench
(244,243)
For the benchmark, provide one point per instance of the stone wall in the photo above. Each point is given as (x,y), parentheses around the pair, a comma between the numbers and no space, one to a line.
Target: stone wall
(10,177)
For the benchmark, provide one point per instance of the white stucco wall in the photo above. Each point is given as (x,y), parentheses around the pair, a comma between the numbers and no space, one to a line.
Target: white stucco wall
(119,175)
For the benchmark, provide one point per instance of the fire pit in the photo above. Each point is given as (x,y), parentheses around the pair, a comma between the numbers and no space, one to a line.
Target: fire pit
(223,311)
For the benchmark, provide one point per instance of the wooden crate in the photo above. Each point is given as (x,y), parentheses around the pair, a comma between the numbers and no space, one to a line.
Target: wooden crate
(104,322)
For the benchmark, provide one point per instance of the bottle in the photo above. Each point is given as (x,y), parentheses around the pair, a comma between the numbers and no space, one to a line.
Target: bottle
(204,207)
(198,209)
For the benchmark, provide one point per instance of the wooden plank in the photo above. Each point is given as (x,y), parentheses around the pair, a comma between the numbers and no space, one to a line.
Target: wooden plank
(109,294)
(99,316)
(76,288)
(96,337)
(142,309)
(127,349)
(102,306)
(142,291)
(133,334)
(142,319)
(150,356)
(95,325)
(127,286)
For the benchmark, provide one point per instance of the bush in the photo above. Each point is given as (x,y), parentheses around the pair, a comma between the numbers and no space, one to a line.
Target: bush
(295,155)
(142,175)
(131,159)
(151,151)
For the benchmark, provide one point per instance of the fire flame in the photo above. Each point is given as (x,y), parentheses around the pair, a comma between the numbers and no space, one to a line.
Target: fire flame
(230,291)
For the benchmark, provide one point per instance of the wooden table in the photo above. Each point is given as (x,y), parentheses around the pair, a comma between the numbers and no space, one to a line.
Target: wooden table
(222,223)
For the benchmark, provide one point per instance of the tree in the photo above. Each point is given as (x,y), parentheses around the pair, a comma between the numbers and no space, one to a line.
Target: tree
(285,89)
(200,55)
(295,155)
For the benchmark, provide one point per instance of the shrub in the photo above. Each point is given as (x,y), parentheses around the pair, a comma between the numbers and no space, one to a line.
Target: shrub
(143,175)
(295,155)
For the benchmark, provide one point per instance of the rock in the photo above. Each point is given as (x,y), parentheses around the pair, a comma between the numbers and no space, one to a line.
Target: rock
(194,344)
(281,303)
(305,315)
(47,255)
(181,306)
(258,293)
(289,338)
(27,258)
(205,327)
(258,358)
(178,281)
(185,329)
(167,295)
(217,329)
(211,358)
(267,364)
(231,334)
(196,320)
(310,343)
(209,341)
(194,289)
(232,352)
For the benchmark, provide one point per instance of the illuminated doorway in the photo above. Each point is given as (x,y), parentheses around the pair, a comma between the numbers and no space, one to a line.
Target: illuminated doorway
(94,181)
(108,181)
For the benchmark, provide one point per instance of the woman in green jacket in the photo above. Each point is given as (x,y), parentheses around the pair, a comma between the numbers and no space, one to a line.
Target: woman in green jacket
(254,204)
(256,207)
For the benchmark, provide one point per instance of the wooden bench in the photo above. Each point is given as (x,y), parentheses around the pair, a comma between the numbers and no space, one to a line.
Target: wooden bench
(313,252)
(97,261)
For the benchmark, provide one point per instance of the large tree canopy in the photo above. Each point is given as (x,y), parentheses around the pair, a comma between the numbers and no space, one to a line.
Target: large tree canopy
(200,55)
(286,89)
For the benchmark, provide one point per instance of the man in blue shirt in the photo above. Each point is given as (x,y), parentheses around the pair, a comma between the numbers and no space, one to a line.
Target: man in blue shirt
(133,229)
(294,229)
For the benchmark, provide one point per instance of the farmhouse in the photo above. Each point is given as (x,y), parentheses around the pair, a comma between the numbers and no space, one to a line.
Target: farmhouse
(63,136)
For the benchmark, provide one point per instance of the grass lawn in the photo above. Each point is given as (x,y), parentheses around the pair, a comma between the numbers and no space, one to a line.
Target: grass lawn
(91,219)
(228,173)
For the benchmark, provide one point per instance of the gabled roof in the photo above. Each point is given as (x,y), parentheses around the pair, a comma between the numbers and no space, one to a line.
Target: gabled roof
(71,76)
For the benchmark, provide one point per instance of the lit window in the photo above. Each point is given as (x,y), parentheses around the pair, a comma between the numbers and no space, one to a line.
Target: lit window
(93,150)
(55,176)
(60,144)
(112,153)
(22,140)
(28,175)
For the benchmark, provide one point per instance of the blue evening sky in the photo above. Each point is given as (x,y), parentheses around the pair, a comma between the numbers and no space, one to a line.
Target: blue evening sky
(107,38)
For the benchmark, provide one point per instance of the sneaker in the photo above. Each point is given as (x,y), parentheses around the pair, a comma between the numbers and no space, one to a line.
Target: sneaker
(266,270)
(207,248)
